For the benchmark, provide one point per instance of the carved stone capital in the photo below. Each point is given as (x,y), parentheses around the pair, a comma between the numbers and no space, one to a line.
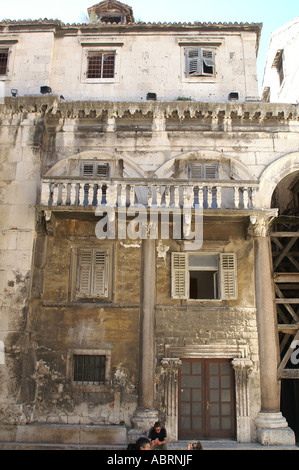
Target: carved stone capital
(171,364)
(260,223)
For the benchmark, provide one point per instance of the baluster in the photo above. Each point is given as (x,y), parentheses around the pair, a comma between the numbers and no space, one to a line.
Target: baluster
(81,194)
(159,195)
(245,198)
(89,194)
(73,194)
(218,197)
(100,194)
(167,196)
(176,197)
(149,196)
(200,196)
(46,191)
(253,194)
(55,194)
(210,197)
(110,195)
(123,195)
(236,198)
(132,195)
(63,194)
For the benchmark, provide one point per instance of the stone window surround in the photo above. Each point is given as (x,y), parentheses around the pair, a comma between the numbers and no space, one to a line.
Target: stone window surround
(205,43)
(97,47)
(242,365)
(88,387)
(7,44)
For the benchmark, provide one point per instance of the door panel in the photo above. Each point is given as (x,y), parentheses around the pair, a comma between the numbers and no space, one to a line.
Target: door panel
(206,399)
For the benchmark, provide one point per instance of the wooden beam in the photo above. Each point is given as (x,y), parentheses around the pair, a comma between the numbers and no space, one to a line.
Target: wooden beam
(288,329)
(284,234)
(289,374)
(286,277)
(287,356)
(287,301)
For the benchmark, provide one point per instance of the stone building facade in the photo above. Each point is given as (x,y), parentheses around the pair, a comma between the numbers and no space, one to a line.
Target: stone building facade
(281,76)
(137,172)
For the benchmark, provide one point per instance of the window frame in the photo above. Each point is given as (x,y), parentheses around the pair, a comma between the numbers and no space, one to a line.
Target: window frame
(7,50)
(88,51)
(77,293)
(226,277)
(87,386)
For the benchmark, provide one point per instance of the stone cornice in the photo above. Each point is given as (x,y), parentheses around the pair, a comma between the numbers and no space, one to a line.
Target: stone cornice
(259,113)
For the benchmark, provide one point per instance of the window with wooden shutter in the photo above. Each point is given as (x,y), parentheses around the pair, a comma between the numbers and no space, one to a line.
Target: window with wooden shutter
(92,281)
(95,169)
(203,170)
(199,61)
(204,276)
(228,276)
(179,273)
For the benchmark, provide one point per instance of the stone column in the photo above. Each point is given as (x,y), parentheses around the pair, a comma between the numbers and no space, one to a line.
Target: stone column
(243,368)
(171,368)
(145,416)
(272,428)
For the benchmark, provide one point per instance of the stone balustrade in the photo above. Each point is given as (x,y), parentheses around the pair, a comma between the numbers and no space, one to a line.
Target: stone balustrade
(149,193)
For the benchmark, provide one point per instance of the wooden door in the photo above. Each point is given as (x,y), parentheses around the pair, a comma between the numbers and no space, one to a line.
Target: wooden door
(206,399)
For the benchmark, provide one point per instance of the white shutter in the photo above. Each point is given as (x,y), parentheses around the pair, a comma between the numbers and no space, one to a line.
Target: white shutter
(193,62)
(100,278)
(228,267)
(84,272)
(208,57)
(179,275)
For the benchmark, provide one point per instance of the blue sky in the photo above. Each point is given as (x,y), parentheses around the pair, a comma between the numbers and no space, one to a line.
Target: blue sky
(272,13)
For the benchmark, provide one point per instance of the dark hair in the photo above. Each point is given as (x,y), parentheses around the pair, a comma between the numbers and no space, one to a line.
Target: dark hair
(141,442)
(157,425)
(197,446)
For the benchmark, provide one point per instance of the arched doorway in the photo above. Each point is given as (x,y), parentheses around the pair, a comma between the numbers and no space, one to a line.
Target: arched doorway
(285,253)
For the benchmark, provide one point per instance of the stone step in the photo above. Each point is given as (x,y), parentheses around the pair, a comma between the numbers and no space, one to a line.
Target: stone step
(59,434)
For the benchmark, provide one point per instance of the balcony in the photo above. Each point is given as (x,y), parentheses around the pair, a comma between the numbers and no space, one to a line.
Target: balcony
(150,193)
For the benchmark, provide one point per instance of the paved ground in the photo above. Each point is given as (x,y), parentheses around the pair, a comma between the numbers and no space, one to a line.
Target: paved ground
(175,446)
(229,445)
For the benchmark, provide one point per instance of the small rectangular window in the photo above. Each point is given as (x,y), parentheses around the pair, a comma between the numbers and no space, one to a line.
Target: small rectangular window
(101,65)
(89,369)
(94,169)
(3,61)
(199,61)
(203,170)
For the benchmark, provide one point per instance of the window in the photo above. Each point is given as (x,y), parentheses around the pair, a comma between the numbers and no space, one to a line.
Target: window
(101,65)
(203,170)
(89,369)
(208,276)
(199,62)
(94,169)
(279,64)
(3,61)
(92,273)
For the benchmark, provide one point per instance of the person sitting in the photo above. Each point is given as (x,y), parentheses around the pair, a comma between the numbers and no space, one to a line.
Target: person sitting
(158,437)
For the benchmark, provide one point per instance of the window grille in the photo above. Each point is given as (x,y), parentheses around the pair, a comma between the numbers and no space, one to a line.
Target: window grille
(101,65)
(3,61)
(89,369)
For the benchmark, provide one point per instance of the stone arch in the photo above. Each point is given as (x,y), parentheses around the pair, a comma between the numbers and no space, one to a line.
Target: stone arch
(68,166)
(272,175)
(237,169)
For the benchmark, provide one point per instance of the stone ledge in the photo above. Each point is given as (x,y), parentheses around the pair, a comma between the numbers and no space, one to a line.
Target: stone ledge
(64,434)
